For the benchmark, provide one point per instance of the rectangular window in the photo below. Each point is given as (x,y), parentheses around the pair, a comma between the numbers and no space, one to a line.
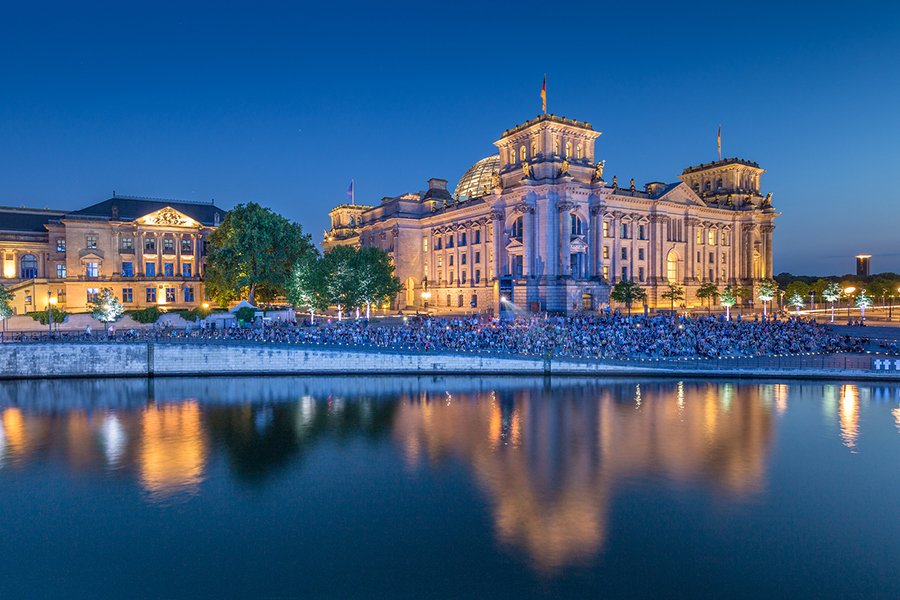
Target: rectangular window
(640,232)
(150,245)
(711,275)
(478,258)
(624,253)
(459,301)
(60,271)
(168,269)
(439,275)
(462,278)
(462,259)
(168,246)
(724,258)
(624,232)
(437,243)
(711,258)
(150,269)
(449,241)
(698,256)
(477,236)
(127,243)
(424,244)
(186,270)
(641,255)
(699,237)
(440,260)
(723,274)
(641,273)
(462,239)
(60,244)
(61,296)
(186,246)
(151,294)
(712,237)
(127,269)
(477,276)
(92,241)
(450,275)
(606,272)
(606,252)
(92,269)
(189,294)
(92,294)
(170,294)
(450,260)
(624,272)
(127,295)
(723,239)
(474,302)
(606,229)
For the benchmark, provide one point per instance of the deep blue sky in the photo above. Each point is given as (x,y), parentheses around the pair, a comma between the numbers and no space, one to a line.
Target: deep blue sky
(284,103)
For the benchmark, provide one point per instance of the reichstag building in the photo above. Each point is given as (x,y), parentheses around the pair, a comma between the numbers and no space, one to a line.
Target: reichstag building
(539,225)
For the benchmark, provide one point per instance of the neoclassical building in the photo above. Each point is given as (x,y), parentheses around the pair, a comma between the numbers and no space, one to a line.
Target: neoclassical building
(538,224)
(151,252)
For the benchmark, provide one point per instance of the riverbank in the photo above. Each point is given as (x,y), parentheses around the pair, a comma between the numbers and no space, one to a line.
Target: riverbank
(181,359)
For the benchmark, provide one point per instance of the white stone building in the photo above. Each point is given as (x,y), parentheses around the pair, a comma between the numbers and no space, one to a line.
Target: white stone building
(538,224)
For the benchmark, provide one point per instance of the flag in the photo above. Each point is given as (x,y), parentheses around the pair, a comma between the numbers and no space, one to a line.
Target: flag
(720,142)
(544,93)
(350,192)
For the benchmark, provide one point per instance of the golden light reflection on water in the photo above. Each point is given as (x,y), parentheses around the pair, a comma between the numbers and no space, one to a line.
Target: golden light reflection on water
(552,488)
(172,449)
(15,439)
(849,415)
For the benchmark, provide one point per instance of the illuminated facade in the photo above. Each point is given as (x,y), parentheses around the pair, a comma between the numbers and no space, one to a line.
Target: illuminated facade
(150,252)
(539,224)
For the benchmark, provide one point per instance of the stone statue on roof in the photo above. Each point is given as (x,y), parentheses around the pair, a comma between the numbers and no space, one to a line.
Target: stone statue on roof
(598,171)
(526,171)
(767,203)
(495,179)
(564,169)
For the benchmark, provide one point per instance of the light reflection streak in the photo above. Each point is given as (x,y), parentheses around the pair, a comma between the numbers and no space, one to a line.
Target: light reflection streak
(172,450)
(849,413)
(114,440)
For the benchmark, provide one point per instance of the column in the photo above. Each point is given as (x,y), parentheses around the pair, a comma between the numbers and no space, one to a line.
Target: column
(565,243)
(614,225)
(527,239)
(495,242)
(655,249)
(767,237)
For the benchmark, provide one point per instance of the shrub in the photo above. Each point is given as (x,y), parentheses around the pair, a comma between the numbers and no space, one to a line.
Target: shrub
(195,314)
(148,315)
(41,316)
(245,314)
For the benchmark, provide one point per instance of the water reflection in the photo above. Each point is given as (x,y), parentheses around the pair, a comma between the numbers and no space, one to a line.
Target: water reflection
(550,458)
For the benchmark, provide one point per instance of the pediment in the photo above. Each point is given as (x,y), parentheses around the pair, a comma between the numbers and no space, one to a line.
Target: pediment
(513,245)
(682,194)
(167,217)
(578,245)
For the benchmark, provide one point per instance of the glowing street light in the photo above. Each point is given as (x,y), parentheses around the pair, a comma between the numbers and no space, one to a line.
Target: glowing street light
(50,302)
(847,292)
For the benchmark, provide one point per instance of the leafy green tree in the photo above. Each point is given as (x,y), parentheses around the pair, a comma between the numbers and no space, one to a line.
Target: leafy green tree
(339,265)
(707,292)
(797,301)
(6,297)
(674,294)
(796,287)
(308,285)
(253,253)
(832,293)
(106,307)
(730,296)
(765,291)
(863,301)
(375,277)
(627,292)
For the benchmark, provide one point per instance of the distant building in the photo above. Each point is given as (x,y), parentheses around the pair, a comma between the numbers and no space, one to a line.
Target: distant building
(862,264)
(151,252)
(539,224)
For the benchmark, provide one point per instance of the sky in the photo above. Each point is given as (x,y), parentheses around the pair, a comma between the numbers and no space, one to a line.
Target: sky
(284,103)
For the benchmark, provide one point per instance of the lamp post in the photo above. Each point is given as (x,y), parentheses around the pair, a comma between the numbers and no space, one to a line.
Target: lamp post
(847,292)
(50,302)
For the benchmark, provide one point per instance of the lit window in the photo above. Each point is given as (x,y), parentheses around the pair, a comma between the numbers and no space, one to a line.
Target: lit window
(440,260)
(723,239)
(606,252)
(712,237)
(60,244)
(127,295)
(424,244)
(92,294)
(606,229)
(568,149)
(699,237)
(127,243)
(92,241)
(723,274)
(605,271)
(533,149)
(168,246)
(724,259)
(92,269)
(61,296)
(522,153)
(580,151)
(556,146)
(60,271)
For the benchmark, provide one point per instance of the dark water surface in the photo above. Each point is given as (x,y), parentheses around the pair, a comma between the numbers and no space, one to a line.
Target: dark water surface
(448,488)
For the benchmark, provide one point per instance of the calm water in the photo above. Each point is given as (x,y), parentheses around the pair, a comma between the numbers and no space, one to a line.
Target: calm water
(448,488)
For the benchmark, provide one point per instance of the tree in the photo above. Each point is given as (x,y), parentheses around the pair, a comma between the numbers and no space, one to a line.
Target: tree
(708,291)
(375,276)
(106,307)
(765,291)
(796,287)
(307,286)
(796,300)
(833,292)
(626,292)
(340,285)
(675,294)
(6,297)
(863,301)
(730,297)
(253,253)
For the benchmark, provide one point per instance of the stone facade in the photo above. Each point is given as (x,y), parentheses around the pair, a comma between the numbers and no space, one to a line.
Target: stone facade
(149,251)
(538,224)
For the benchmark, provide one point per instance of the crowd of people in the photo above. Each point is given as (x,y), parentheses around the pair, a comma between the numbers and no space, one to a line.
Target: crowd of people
(603,336)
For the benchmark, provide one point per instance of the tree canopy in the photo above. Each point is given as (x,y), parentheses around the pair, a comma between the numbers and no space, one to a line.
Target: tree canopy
(708,291)
(675,294)
(253,254)
(6,297)
(106,307)
(627,292)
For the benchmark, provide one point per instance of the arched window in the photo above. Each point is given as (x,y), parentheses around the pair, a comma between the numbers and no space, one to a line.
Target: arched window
(708,186)
(556,146)
(580,154)
(517,228)
(575,224)
(522,153)
(29,266)
(533,149)
(672,267)
(719,184)
(512,155)
(568,149)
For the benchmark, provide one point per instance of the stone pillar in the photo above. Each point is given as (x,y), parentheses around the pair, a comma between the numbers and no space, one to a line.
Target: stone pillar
(767,243)
(565,242)
(496,215)
(527,239)
(655,249)
(614,269)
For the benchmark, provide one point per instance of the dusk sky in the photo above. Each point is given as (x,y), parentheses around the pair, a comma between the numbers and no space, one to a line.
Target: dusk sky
(284,103)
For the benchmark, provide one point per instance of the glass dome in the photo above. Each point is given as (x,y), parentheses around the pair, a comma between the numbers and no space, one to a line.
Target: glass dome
(472,184)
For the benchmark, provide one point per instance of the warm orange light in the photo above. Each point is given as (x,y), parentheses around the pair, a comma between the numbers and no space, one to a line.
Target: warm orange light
(849,290)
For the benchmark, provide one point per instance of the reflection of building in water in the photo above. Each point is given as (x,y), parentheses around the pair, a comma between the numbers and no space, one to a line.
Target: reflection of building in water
(849,412)
(172,452)
(551,464)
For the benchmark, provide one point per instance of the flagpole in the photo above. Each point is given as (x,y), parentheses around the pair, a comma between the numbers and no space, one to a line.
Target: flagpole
(720,142)
(353,191)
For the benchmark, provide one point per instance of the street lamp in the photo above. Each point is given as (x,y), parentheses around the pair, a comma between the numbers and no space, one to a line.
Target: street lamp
(50,302)
(847,292)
